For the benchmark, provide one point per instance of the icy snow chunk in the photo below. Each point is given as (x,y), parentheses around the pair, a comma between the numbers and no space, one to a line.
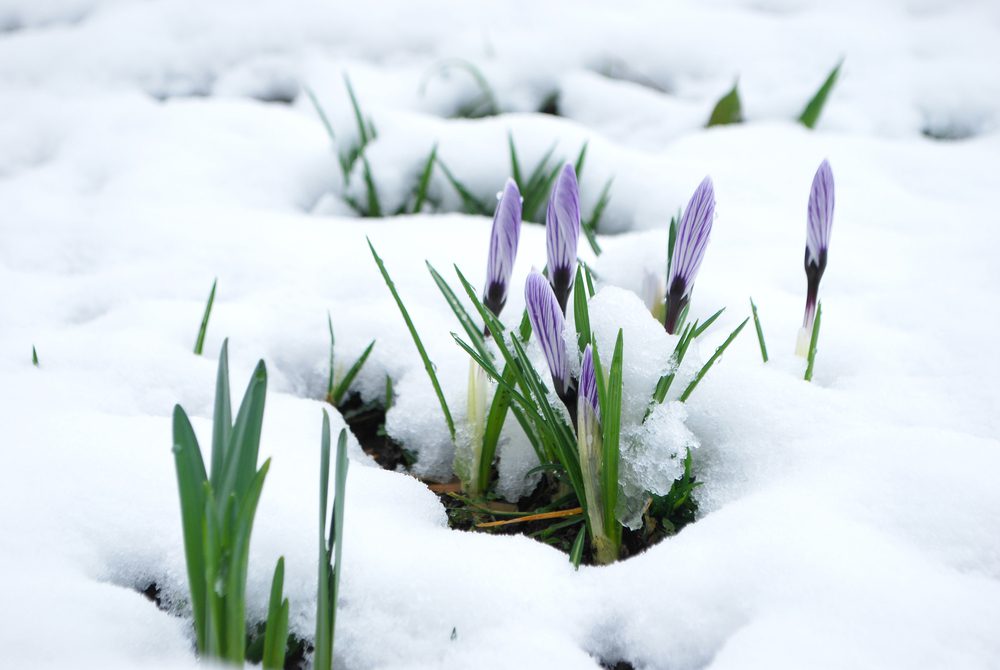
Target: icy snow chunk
(517,458)
(652,458)
(416,422)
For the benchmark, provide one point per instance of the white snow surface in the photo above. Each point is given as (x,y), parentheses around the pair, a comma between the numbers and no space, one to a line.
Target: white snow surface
(851,522)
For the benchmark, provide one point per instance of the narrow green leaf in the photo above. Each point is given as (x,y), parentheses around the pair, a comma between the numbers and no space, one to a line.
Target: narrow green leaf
(276,628)
(425,180)
(191,485)
(428,365)
(323,657)
(485,105)
(711,361)
(591,226)
(222,418)
(470,202)
(576,553)
(581,313)
(339,497)
(760,331)
(374,207)
(199,344)
(699,329)
(240,461)
(34,356)
(363,128)
(813,341)
(671,241)
(810,115)
(468,325)
(214,606)
(581,157)
(611,424)
(333,341)
(589,275)
(322,114)
(515,166)
(727,110)
(345,383)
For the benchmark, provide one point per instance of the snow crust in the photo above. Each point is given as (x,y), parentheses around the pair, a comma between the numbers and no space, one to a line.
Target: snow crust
(851,522)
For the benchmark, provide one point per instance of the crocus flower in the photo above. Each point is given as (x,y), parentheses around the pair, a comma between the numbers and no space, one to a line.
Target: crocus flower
(503,247)
(562,232)
(469,450)
(819,222)
(689,249)
(547,324)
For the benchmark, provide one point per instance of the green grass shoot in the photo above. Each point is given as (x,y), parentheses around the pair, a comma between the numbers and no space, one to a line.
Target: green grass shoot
(330,546)
(420,197)
(711,361)
(810,115)
(727,110)
(322,114)
(340,391)
(760,331)
(199,344)
(428,365)
(813,342)
(34,356)
(217,512)
(276,629)
(484,105)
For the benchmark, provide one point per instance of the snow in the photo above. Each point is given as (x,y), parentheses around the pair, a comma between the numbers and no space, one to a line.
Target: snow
(850,522)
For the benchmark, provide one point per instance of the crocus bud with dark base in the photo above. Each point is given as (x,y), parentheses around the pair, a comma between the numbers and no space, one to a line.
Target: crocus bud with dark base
(692,238)
(503,247)
(562,233)
(819,222)
(547,324)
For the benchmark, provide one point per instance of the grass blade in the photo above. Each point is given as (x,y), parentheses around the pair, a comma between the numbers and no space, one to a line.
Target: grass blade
(322,114)
(222,417)
(581,313)
(345,383)
(236,625)
(580,159)
(468,325)
(363,128)
(576,553)
(374,207)
(760,331)
(810,115)
(699,329)
(711,361)
(199,344)
(471,204)
(323,656)
(428,365)
(425,181)
(276,629)
(34,356)
(240,460)
(191,485)
(339,494)
(591,226)
(611,424)
(727,110)
(813,341)
(333,341)
(515,166)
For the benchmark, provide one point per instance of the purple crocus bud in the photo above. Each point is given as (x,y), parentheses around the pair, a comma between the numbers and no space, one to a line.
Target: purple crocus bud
(503,247)
(587,387)
(689,249)
(562,232)
(820,220)
(547,323)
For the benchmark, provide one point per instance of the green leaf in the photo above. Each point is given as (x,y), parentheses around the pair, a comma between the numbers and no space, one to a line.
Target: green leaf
(322,114)
(699,329)
(345,383)
(581,157)
(727,110)
(813,342)
(199,343)
(810,115)
(711,361)
(425,181)
(240,461)
(333,341)
(760,331)
(591,225)
(581,313)
(671,242)
(34,356)
(515,166)
(468,325)
(191,485)
(428,365)
(222,419)
(323,657)
(576,553)
(471,204)
(339,496)
(276,629)
(485,105)
(611,425)
(363,128)
(374,207)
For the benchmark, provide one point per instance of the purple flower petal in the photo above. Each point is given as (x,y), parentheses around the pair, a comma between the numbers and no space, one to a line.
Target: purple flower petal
(547,324)
(819,223)
(820,215)
(503,247)
(587,388)
(562,232)
(693,232)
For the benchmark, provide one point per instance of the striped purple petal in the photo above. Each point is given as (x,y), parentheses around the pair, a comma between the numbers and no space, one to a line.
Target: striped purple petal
(562,232)
(587,388)
(820,218)
(503,247)
(819,222)
(547,324)
(693,232)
